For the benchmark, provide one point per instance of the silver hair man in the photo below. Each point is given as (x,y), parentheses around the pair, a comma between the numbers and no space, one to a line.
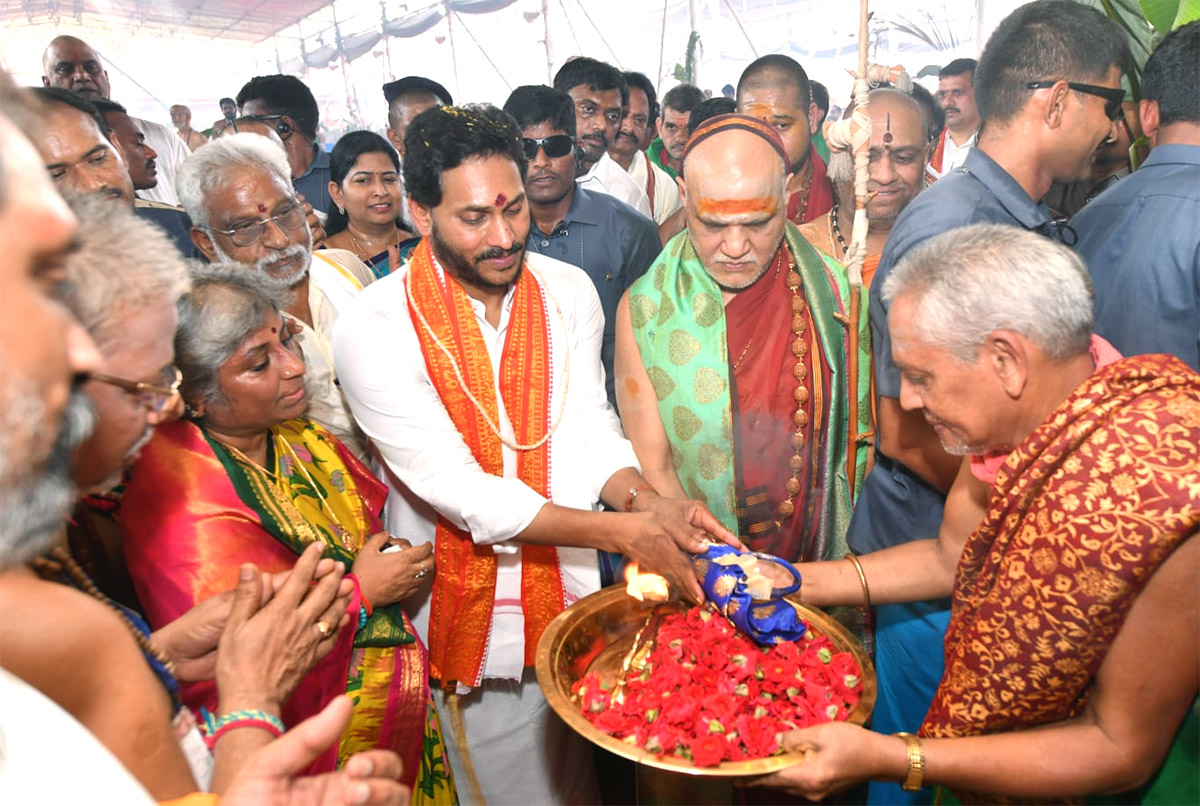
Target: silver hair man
(122,283)
(230,163)
(975,280)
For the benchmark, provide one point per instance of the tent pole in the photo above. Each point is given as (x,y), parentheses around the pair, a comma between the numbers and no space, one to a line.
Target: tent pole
(546,42)
(387,44)
(662,43)
(453,52)
(741,28)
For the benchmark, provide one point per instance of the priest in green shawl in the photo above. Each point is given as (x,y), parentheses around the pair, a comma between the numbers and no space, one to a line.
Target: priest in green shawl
(731,361)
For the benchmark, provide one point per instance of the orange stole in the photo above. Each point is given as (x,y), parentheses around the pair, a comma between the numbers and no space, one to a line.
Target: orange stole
(465,585)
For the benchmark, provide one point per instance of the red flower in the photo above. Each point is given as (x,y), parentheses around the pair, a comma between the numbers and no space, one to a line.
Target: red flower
(708,750)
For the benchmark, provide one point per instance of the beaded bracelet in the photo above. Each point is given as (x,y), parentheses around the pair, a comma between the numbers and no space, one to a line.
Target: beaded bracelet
(214,728)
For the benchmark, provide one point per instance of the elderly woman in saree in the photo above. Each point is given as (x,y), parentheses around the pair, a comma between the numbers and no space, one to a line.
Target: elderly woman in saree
(246,478)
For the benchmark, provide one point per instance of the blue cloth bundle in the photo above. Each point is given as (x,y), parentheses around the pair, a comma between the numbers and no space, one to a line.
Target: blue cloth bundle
(766,621)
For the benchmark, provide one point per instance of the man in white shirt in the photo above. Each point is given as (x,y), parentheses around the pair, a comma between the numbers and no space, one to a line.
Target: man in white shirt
(475,371)
(637,118)
(956,97)
(238,192)
(71,63)
(600,93)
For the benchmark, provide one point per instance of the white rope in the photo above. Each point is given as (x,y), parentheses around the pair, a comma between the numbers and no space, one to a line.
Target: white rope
(493,425)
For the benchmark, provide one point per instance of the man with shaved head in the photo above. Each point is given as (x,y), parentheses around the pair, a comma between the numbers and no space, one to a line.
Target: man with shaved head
(730,354)
(72,64)
(775,89)
(897,159)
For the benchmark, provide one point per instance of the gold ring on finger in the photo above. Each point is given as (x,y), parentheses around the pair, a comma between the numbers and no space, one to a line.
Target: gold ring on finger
(323,628)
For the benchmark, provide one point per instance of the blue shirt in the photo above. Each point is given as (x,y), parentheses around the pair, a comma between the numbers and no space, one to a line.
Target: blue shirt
(1141,241)
(315,182)
(896,505)
(614,244)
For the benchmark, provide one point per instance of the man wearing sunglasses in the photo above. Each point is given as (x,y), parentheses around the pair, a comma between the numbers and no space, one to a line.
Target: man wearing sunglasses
(288,106)
(1048,89)
(594,231)
(1140,238)
(239,194)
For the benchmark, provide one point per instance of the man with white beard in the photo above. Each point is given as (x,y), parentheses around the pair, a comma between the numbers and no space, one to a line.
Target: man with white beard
(238,192)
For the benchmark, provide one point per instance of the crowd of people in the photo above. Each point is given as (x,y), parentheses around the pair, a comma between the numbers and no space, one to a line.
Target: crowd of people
(304,449)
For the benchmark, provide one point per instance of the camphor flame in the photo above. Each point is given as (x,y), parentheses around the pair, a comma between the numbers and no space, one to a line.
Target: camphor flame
(645,587)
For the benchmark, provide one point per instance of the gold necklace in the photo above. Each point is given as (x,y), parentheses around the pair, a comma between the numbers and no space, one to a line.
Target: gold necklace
(347,539)
(805,187)
(462,382)
(362,253)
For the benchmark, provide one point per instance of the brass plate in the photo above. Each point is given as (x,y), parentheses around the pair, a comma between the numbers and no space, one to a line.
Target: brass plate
(597,631)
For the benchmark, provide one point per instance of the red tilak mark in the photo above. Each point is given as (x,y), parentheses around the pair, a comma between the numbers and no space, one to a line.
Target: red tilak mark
(736,206)
(273,330)
(501,199)
(262,208)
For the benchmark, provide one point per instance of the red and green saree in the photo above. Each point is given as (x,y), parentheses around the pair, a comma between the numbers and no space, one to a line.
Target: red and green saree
(195,510)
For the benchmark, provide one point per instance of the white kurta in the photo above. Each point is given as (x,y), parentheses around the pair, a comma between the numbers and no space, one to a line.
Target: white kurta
(666,190)
(953,155)
(335,278)
(606,176)
(431,470)
(171,153)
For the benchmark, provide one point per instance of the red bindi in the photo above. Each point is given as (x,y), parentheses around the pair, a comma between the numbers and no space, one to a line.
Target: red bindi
(501,199)
(262,208)
(273,330)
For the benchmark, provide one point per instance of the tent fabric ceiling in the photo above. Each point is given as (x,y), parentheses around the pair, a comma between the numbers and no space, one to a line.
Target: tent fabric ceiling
(246,20)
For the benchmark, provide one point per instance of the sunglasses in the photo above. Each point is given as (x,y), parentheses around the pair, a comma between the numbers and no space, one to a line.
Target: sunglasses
(1113,96)
(555,146)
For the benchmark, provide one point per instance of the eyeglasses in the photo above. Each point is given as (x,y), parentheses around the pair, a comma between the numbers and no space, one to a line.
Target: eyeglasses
(152,395)
(1113,96)
(555,146)
(249,233)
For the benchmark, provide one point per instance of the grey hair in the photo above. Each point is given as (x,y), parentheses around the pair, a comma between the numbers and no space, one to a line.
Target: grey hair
(973,281)
(226,304)
(212,165)
(122,264)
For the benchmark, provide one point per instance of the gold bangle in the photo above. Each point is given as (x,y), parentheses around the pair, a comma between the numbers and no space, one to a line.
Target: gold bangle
(862,577)
(916,763)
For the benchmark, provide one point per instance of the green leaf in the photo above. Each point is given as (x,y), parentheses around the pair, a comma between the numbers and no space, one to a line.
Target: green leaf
(1189,10)
(1160,13)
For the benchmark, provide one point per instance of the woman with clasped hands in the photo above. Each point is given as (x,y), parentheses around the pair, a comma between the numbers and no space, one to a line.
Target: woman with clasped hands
(246,478)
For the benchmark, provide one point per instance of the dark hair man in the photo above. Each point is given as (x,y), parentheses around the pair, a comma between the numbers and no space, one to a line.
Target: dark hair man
(1140,238)
(90,154)
(600,94)
(677,106)
(626,149)
(820,98)
(956,97)
(71,64)
(288,106)
(775,89)
(593,231)
(406,98)
(475,332)
(229,111)
(1048,90)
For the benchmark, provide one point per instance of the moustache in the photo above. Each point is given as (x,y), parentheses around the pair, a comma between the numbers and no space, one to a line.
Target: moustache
(496,253)
(626,135)
(543,175)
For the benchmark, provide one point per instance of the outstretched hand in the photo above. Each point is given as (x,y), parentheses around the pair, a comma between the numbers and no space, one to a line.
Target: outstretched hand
(836,755)
(271,776)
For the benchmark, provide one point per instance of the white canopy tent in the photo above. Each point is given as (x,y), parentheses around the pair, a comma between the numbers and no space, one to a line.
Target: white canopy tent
(196,51)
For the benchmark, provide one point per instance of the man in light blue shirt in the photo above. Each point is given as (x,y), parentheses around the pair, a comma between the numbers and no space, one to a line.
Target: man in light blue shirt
(1141,238)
